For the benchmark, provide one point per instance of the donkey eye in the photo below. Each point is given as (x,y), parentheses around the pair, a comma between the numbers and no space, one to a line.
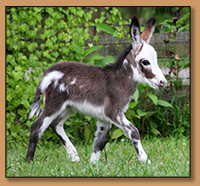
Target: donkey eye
(145,62)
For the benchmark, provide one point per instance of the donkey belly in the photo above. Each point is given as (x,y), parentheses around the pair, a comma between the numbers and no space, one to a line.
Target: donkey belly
(89,109)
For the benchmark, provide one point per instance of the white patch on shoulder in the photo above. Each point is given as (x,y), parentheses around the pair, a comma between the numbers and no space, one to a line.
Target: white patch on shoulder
(48,78)
(125,62)
(136,76)
(73,82)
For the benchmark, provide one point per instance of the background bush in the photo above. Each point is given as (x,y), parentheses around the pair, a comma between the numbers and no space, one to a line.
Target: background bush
(38,37)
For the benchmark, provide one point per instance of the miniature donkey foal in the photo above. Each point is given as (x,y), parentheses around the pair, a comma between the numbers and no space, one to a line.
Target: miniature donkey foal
(102,93)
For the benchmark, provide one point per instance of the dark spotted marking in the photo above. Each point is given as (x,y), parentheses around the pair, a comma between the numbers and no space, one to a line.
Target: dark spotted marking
(147,72)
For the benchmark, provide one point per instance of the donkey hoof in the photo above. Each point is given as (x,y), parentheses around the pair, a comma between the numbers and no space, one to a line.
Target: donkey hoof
(29,159)
(149,162)
(93,161)
(144,161)
(75,159)
(95,157)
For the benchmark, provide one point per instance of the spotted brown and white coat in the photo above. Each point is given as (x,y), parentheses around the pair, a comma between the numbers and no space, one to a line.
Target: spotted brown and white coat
(100,92)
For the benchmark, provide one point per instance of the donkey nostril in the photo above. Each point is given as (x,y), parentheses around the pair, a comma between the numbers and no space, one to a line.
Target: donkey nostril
(162,83)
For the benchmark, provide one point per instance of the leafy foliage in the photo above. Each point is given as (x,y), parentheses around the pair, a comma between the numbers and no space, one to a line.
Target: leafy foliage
(158,116)
(38,37)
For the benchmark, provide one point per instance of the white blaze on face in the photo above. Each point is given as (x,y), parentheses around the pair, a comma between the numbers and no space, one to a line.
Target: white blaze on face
(148,53)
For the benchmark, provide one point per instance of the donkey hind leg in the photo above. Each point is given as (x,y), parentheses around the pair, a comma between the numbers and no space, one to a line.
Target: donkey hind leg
(33,139)
(38,128)
(101,138)
(132,132)
(57,127)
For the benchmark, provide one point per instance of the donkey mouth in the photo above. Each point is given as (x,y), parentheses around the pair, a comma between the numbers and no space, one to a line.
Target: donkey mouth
(160,86)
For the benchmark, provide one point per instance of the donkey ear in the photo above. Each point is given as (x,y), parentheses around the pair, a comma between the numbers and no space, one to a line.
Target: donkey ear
(149,29)
(135,35)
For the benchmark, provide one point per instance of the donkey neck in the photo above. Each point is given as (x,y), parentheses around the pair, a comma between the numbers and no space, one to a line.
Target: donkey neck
(120,73)
(127,72)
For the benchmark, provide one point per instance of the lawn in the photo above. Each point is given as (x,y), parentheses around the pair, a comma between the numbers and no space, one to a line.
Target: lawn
(170,157)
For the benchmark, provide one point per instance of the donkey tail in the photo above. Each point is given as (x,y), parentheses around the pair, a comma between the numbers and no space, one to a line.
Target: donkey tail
(35,107)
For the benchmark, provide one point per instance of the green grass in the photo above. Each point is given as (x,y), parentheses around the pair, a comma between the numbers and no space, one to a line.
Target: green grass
(170,157)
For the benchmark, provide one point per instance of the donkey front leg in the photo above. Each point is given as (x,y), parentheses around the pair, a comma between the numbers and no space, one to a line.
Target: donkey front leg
(132,132)
(101,138)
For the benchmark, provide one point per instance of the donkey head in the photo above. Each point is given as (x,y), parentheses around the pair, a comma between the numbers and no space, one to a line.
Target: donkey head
(146,69)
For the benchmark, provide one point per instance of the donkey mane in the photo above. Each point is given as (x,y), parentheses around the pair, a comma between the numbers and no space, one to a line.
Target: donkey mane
(120,59)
